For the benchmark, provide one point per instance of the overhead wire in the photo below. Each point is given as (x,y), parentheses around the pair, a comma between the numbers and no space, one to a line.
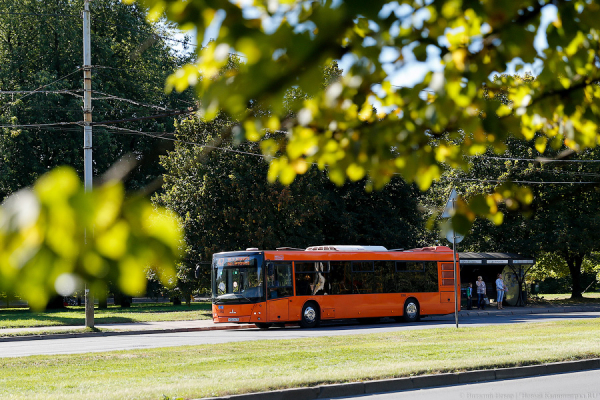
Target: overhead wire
(40,14)
(43,86)
(62,91)
(173,139)
(170,136)
(137,103)
(41,125)
(515,181)
(533,169)
(541,159)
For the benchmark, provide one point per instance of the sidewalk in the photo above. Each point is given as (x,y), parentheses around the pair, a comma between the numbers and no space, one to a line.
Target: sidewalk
(48,332)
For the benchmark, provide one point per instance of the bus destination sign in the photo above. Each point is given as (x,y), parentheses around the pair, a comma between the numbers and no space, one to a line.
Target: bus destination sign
(234,261)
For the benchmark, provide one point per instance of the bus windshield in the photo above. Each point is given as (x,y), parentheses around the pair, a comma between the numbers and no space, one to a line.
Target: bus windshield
(238,279)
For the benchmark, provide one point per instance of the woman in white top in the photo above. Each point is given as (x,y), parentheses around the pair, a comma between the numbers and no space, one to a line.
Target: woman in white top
(500,289)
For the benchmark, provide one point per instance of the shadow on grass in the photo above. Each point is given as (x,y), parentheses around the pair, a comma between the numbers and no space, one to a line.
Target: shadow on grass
(75,315)
(67,316)
(543,301)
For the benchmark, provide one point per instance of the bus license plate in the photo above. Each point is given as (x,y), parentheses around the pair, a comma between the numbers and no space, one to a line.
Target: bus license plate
(234,320)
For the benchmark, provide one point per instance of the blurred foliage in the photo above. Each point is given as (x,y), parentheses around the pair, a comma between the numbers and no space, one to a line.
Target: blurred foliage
(55,236)
(284,43)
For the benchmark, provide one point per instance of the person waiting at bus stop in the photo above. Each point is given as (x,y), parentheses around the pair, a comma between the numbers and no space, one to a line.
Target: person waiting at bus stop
(480,293)
(500,289)
(470,296)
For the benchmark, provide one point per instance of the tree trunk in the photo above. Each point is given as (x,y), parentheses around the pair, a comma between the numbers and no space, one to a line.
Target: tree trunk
(102,303)
(574,263)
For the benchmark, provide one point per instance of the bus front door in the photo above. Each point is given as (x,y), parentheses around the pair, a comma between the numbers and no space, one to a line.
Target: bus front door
(279,289)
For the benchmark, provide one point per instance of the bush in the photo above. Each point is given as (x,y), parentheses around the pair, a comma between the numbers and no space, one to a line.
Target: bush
(564,285)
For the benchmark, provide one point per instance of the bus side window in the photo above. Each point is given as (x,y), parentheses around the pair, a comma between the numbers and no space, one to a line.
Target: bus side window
(303,282)
(384,277)
(416,276)
(362,276)
(340,276)
(312,278)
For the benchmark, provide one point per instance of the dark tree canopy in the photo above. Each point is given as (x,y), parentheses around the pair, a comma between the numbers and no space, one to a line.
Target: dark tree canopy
(562,218)
(227,204)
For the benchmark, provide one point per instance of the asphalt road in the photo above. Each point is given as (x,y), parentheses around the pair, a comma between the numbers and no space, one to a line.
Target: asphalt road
(143,341)
(568,386)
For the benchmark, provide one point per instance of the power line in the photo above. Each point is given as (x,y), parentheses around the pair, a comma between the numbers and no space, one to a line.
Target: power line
(171,114)
(41,14)
(62,91)
(524,182)
(30,92)
(543,170)
(42,125)
(156,135)
(117,121)
(41,87)
(137,103)
(162,136)
(541,159)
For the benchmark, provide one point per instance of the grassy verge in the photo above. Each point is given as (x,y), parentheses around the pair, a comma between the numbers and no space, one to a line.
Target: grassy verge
(72,315)
(50,331)
(212,370)
(565,299)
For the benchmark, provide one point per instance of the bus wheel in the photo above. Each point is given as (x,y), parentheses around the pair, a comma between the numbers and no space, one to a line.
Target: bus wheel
(310,315)
(411,310)
(262,325)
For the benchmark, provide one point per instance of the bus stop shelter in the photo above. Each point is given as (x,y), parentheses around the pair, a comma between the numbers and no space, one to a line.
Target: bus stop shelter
(513,268)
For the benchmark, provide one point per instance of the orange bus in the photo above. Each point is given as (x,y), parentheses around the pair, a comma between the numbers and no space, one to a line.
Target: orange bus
(274,287)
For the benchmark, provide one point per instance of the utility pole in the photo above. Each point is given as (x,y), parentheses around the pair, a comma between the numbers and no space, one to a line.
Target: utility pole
(87,136)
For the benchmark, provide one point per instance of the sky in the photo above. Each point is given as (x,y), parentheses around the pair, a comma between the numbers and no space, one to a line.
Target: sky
(414,71)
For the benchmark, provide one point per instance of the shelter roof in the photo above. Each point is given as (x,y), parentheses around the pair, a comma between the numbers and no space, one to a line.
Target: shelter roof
(494,259)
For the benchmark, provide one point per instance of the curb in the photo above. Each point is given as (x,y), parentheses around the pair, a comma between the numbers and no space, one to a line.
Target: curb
(416,382)
(119,333)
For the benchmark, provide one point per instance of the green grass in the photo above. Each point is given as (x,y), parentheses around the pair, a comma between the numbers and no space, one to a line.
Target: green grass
(565,299)
(72,315)
(214,370)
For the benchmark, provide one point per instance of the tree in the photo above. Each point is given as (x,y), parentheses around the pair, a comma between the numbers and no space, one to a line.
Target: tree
(227,204)
(392,217)
(562,217)
(284,43)
(225,201)
(41,50)
(42,230)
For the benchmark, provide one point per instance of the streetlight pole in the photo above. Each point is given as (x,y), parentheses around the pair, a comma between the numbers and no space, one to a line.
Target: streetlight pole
(452,237)
(456,300)
(87,135)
